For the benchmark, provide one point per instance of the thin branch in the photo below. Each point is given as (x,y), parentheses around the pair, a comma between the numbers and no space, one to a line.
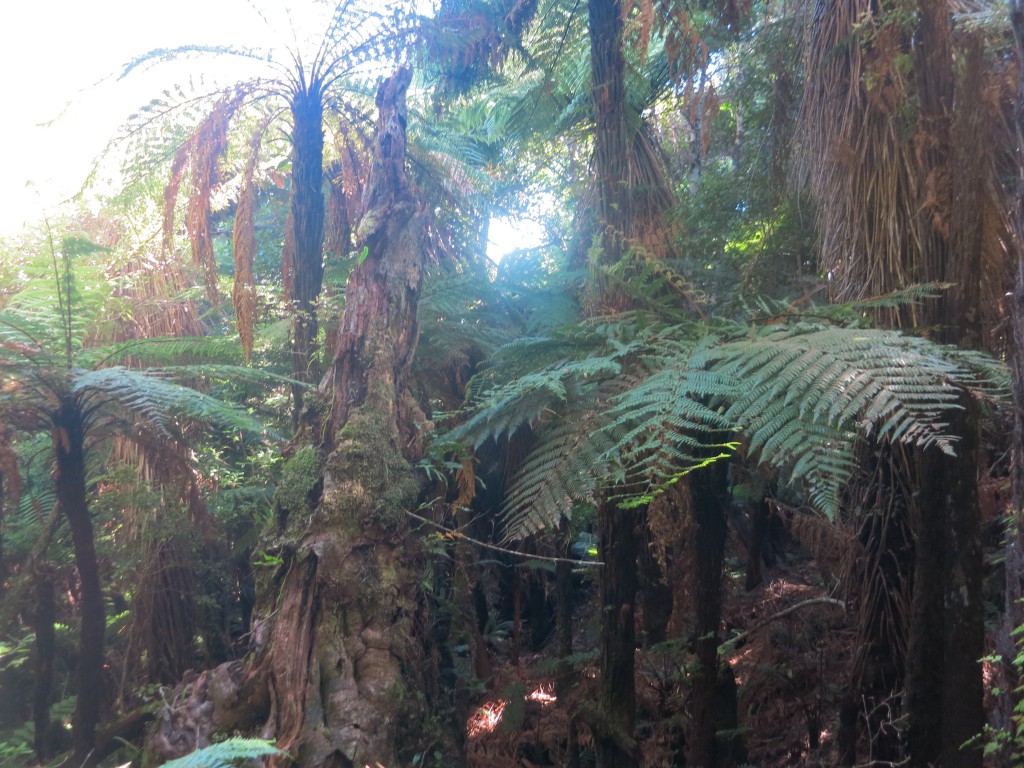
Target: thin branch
(525,555)
(783,613)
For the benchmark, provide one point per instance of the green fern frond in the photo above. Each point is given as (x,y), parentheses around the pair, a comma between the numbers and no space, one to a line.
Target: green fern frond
(157,400)
(664,425)
(165,351)
(505,408)
(895,386)
(570,460)
(225,754)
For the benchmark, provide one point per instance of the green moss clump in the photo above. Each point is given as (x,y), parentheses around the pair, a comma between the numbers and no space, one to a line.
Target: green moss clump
(300,478)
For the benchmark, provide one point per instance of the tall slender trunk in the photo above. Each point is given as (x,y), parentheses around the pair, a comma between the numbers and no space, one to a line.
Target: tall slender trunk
(615,739)
(947,618)
(1013,602)
(611,143)
(307,220)
(564,676)
(42,690)
(710,496)
(69,446)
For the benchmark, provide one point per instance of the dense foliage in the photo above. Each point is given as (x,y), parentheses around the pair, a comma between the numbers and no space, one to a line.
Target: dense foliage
(769,294)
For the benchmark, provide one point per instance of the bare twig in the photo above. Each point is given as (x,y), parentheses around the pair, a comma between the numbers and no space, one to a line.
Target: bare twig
(485,545)
(784,613)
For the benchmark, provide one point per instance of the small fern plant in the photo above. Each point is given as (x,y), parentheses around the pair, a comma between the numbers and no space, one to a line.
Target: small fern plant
(227,753)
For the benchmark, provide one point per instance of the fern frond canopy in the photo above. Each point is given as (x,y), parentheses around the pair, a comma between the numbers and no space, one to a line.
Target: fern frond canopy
(640,403)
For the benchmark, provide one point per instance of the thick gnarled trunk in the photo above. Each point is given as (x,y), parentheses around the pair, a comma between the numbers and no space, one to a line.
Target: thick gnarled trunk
(344,663)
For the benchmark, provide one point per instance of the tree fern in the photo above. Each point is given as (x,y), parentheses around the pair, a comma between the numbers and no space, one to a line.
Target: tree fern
(647,402)
(227,753)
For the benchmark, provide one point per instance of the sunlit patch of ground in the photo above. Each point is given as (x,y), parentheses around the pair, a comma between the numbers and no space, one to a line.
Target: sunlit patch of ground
(486,718)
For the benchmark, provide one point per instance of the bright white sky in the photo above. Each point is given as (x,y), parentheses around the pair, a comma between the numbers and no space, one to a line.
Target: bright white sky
(62,102)
(59,60)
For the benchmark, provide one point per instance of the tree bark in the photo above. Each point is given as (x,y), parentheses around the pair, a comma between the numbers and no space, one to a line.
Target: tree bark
(42,690)
(944,685)
(69,447)
(347,673)
(611,143)
(710,496)
(614,741)
(1013,615)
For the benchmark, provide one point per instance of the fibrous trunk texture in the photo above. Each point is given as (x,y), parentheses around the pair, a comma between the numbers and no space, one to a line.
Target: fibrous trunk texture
(307,221)
(710,497)
(344,664)
(945,713)
(1013,616)
(614,737)
(903,199)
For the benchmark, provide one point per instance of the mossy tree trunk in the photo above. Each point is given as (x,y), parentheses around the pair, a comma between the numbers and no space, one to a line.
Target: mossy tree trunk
(345,666)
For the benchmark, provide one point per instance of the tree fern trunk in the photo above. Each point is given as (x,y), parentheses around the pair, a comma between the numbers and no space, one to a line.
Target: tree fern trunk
(346,668)
(947,621)
(614,739)
(617,544)
(710,495)
(44,616)
(69,446)
(307,220)
(1013,615)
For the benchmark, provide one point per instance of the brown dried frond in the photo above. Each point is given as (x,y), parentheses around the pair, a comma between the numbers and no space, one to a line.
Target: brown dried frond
(652,198)
(151,290)
(10,477)
(243,240)
(465,479)
(200,156)
(164,612)
(828,542)
(858,163)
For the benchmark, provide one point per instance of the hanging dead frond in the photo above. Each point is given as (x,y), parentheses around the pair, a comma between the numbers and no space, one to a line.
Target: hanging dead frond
(200,157)
(885,172)
(243,294)
(857,162)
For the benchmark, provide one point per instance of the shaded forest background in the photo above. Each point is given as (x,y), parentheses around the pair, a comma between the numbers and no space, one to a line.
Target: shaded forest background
(726,471)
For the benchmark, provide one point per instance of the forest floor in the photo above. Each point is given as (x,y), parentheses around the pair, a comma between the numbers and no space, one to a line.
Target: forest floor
(790,663)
